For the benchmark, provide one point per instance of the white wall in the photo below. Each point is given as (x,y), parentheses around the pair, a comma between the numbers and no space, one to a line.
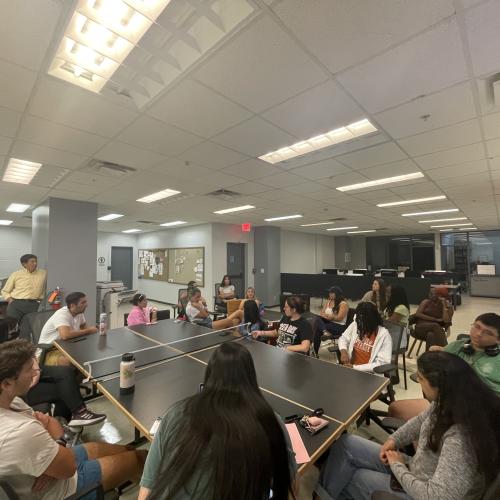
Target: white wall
(14,242)
(104,243)
(306,253)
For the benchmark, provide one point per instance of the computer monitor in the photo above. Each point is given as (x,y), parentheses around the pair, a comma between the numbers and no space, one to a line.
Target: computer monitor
(330,271)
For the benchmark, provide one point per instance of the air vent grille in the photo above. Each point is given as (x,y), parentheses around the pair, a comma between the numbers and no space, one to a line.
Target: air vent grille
(108,168)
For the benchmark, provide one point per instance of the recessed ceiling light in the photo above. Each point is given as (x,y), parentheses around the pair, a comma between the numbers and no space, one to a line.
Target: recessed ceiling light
(98,38)
(132,231)
(454,225)
(317,224)
(110,217)
(17,207)
(410,202)
(341,228)
(165,193)
(431,212)
(380,182)
(234,209)
(467,228)
(5,222)
(352,131)
(442,220)
(20,171)
(284,217)
(447,230)
(363,231)
(174,223)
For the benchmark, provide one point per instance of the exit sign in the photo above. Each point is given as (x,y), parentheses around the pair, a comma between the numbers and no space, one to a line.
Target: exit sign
(246,227)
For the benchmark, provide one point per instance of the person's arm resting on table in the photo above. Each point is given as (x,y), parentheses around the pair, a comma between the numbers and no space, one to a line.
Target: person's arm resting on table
(304,346)
(65,332)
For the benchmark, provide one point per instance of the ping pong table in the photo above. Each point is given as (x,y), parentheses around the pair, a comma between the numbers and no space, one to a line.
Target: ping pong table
(171,357)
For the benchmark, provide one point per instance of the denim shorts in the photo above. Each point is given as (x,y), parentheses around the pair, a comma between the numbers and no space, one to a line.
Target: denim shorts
(89,471)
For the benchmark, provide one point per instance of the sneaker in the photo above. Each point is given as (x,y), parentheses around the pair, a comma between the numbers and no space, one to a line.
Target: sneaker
(86,417)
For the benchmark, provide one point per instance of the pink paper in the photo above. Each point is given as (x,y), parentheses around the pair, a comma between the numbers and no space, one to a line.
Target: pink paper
(301,455)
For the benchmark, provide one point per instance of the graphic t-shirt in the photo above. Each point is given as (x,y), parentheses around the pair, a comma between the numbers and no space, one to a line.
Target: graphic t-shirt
(362,349)
(293,332)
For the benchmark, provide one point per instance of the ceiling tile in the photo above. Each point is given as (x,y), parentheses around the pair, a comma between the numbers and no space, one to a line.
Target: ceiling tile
(305,187)
(321,169)
(250,188)
(9,122)
(493,147)
(442,139)
(48,176)
(16,84)
(61,137)
(211,155)
(479,167)
(315,111)
(283,180)
(449,106)
(70,105)
(198,109)
(254,137)
(125,154)
(5,143)
(451,157)
(252,169)
(181,169)
(376,155)
(267,67)
(491,124)
(389,169)
(342,34)
(483,26)
(429,62)
(218,180)
(157,136)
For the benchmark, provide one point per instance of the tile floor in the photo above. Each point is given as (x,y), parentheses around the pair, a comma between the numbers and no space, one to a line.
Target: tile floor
(117,428)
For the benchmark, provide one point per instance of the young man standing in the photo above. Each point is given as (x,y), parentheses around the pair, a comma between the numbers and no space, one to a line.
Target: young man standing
(25,288)
(33,462)
(66,323)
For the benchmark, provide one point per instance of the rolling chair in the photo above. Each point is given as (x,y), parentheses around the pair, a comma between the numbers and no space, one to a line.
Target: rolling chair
(350,318)
(31,328)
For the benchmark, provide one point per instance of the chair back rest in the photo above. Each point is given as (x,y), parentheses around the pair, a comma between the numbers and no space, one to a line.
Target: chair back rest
(8,329)
(125,319)
(233,305)
(33,323)
(493,491)
(396,331)
(350,316)
(163,314)
(182,292)
(7,489)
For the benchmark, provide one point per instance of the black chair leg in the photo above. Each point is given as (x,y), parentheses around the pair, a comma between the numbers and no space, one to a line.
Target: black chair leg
(412,347)
(404,371)
(419,347)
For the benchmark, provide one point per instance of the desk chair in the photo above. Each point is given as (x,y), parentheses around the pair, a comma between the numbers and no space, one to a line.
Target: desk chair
(9,329)
(31,328)
(233,305)
(219,305)
(447,331)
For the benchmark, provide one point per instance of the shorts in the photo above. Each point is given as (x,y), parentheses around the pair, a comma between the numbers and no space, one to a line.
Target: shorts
(89,471)
(204,322)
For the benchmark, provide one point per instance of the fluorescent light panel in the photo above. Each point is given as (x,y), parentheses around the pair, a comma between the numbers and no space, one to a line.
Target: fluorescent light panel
(342,134)
(284,217)
(442,220)
(317,224)
(381,182)
(5,222)
(448,210)
(132,231)
(20,171)
(410,202)
(166,193)
(17,207)
(454,225)
(467,228)
(110,217)
(341,228)
(363,231)
(174,223)
(99,37)
(234,209)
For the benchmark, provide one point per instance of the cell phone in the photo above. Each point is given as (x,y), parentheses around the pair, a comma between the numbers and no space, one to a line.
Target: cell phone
(395,486)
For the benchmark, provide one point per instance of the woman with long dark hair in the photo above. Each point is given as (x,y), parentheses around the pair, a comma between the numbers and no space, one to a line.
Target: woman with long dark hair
(366,343)
(398,308)
(458,451)
(333,316)
(223,443)
(377,295)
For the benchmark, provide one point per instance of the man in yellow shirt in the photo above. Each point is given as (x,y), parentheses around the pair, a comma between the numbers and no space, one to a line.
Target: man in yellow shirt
(25,288)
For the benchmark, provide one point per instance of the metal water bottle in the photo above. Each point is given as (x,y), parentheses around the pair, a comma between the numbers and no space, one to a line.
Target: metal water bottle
(127,374)
(103,323)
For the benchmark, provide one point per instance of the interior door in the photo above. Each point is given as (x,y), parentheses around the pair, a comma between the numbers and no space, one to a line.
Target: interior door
(236,266)
(122,265)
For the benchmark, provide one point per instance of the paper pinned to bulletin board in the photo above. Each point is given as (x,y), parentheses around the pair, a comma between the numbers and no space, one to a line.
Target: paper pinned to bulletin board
(153,264)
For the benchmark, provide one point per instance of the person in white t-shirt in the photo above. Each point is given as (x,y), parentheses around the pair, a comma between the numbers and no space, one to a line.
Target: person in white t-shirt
(226,292)
(66,323)
(33,462)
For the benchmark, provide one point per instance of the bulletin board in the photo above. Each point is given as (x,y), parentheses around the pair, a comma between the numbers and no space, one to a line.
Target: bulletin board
(153,264)
(185,265)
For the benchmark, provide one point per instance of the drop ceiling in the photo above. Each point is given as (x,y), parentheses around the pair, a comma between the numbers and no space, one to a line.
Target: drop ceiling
(421,72)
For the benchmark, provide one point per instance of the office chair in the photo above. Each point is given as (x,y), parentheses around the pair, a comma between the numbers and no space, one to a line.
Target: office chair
(219,304)
(9,329)
(31,328)
(350,318)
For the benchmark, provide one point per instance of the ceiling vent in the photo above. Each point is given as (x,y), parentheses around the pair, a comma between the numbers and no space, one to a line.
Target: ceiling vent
(108,168)
(146,222)
(225,194)
(337,219)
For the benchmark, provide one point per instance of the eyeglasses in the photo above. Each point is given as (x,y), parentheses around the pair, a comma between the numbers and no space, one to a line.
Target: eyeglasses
(483,331)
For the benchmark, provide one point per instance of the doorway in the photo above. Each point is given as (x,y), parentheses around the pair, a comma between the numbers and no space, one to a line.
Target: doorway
(236,266)
(122,264)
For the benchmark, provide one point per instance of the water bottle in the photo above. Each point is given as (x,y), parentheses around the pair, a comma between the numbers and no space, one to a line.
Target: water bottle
(127,374)
(103,323)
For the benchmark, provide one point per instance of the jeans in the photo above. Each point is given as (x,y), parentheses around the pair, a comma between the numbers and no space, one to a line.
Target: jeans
(335,329)
(353,470)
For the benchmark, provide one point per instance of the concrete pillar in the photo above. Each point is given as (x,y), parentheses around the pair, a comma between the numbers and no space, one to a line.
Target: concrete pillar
(64,234)
(437,251)
(267,259)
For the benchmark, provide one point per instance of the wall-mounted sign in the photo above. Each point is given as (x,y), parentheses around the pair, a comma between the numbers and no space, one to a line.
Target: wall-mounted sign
(101,261)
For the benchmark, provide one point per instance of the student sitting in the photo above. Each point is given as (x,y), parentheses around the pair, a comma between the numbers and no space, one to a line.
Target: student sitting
(197,312)
(481,351)
(184,297)
(66,323)
(433,316)
(223,443)
(333,316)
(377,295)
(226,292)
(458,451)
(366,343)
(398,310)
(250,316)
(294,332)
(32,461)
(250,295)
(141,314)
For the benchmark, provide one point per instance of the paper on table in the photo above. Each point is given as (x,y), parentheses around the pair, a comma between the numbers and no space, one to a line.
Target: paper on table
(301,455)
